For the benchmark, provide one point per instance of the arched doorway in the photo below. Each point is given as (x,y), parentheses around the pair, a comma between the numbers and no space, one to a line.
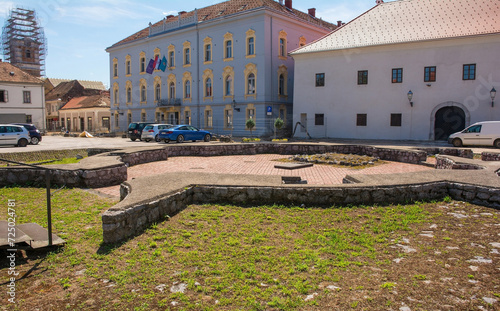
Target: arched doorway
(448,120)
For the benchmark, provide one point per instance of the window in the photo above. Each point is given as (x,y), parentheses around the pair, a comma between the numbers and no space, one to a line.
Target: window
(208,118)
(29,118)
(187,56)
(129,95)
(171,58)
(474,129)
(143,64)
(320,79)
(187,117)
(251,46)
(251,84)
(143,93)
(89,123)
(229,49)
(128,67)
(282,47)
(396,119)
(172,90)
(115,70)
(319,119)
(3,96)
(362,77)
(208,52)
(208,87)
(430,74)
(397,75)
(228,118)
(229,80)
(157,92)
(116,120)
(469,72)
(106,122)
(250,112)
(27,97)
(187,89)
(361,119)
(281,85)
(28,53)
(129,118)
(115,97)
(143,117)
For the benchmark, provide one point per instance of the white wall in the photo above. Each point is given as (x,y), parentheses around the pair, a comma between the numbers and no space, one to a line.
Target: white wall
(15,103)
(342,98)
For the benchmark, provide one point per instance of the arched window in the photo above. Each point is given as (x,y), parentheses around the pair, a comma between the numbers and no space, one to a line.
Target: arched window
(251,84)
(129,95)
(28,53)
(281,86)
(187,89)
(172,90)
(229,79)
(143,93)
(157,92)
(208,87)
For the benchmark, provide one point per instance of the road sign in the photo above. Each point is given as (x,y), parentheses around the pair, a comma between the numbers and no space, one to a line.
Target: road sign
(269,110)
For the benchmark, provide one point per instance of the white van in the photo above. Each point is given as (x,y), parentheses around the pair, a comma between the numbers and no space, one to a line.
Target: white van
(481,134)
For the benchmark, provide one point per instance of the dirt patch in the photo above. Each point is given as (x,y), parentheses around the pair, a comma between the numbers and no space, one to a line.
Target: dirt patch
(335,159)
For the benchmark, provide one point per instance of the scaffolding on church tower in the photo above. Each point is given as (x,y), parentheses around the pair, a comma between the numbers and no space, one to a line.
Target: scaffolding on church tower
(23,42)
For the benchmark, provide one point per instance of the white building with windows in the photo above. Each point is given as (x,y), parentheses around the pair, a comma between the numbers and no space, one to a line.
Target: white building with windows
(22,97)
(404,70)
(215,67)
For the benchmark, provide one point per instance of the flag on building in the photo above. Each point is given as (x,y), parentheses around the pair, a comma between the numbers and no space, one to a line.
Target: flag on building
(163,64)
(158,64)
(151,66)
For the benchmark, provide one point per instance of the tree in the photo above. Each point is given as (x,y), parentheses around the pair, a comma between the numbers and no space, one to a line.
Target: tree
(278,124)
(250,124)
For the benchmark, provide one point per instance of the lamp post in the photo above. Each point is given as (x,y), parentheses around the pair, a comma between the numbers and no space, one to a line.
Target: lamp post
(493,93)
(410,96)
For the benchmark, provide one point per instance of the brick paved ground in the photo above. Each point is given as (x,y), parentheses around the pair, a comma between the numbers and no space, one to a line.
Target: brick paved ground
(261,164)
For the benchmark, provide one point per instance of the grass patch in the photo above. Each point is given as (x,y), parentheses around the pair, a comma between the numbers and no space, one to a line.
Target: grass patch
(257,258)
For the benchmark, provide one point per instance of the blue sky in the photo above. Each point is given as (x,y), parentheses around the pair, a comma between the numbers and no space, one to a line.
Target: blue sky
(78,32)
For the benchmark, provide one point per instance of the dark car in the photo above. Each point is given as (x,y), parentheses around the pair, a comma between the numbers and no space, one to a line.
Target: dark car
(135,129)
(35,135)
(181,133)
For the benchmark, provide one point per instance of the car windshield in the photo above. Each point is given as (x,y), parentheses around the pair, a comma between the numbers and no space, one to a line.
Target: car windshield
(132,126)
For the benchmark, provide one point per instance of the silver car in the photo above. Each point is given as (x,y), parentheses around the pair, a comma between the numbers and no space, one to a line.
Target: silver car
(151,131)
(14,135)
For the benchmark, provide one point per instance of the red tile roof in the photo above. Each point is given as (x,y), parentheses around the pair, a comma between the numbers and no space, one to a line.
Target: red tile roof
(95,101)
(231,7)
(10,73)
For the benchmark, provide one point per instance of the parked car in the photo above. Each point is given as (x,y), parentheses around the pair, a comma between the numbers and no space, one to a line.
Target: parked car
(14,135)
(481,133)
(151,131)
(35,135)
(181,133)
(135,130)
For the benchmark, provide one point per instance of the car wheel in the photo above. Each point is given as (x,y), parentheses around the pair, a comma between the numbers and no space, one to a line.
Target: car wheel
(497,143)
(166,141)
(207,138)
(22,142)
(132,139)
(457,142)
(157,139)
(147,140)
(180,139)
(34,140)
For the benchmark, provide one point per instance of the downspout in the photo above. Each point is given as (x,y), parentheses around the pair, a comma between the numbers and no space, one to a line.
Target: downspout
(42,90)
(272,79)
(198,116)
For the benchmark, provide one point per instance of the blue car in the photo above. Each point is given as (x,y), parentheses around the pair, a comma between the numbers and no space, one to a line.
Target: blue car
(181,133)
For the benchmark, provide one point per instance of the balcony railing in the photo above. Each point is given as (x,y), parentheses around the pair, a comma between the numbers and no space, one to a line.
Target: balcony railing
(169,102)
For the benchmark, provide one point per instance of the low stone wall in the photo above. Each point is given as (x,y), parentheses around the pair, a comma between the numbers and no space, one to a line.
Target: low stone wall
(91,178)
(120,224)
(444,163)
(398,155)
(143,156)
(462,153)
(490,156)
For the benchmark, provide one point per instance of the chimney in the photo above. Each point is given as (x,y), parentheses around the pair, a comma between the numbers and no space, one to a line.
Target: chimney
(339,23)
(169,16)
(312,12)
(288,4)
(182,12)
(379,1)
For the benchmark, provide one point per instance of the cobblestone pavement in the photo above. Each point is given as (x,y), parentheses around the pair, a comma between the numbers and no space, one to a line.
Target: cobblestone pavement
(261,164)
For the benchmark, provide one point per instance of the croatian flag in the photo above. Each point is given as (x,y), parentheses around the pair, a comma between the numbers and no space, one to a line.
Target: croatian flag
(151,66)
(158,63)
(155,66)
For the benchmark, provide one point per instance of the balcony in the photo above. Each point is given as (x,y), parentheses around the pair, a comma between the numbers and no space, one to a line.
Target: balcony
(169,102)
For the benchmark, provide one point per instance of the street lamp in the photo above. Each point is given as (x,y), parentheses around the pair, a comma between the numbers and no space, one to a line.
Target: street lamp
(410,96)
(234,106)
(493,93)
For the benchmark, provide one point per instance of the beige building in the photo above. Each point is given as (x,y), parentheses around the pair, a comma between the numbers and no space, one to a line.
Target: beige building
(87,113)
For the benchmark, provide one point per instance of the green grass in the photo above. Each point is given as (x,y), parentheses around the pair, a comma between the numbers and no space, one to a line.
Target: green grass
(230,258)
